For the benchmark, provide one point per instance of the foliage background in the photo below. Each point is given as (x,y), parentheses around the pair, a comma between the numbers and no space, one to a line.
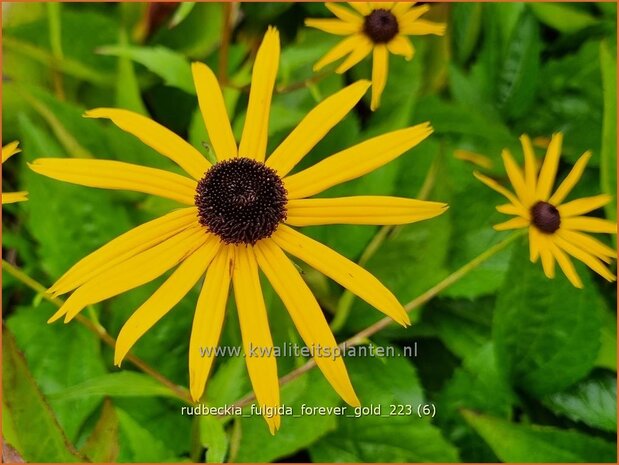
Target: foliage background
(519,368)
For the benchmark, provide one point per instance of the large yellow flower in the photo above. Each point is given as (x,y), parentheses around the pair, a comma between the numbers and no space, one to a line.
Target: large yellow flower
(555,228)
(237,221)
(377,27)
(11,197)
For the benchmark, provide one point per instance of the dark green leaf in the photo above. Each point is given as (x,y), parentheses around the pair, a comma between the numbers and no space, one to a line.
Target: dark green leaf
(102,444)
(531,443)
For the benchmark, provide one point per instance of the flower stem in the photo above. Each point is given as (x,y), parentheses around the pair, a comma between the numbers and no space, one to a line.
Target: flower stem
(178,391)
(362,336)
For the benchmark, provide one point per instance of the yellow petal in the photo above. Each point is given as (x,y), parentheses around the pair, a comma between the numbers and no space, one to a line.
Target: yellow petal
(533,244)
(588,259)
(13,197)
(134,272)
(587,224)
(401,8)
(167,296)
(412,15)
(584,205)
(257,342)
(111,174)
(333,26)
(214,111)
(571,180)
(255,131)
(422,27)
(380,65)
(566,265)
(475,158)
(9,150)
(530,163)
(344,13)
(361,50)
(125,246)
(156,136)
(549,167)
(548,261)
(514,223)
(306,315)
(316,124)
(382,5)
(516,178)
(364,8)
(208,321)
(511,209)
(355,161)
(361,210)
(342,48)
(401,45)
(343,271)
(588,244)
(492,184)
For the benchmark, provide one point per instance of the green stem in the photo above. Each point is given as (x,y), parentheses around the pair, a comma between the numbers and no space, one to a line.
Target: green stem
(362,336)
(55,35)
(178,391)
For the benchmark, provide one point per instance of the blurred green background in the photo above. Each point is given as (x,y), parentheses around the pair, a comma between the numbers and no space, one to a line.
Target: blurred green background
(519,368)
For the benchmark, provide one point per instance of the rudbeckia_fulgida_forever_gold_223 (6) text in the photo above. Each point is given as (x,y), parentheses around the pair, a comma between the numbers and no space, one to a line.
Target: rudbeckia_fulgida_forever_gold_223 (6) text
(556,228)
(379,28)
(11,197)
(239,219)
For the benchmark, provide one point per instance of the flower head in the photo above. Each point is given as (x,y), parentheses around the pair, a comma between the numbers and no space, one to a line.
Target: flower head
(11,197)
(377,28)
(556,229)
(237,219)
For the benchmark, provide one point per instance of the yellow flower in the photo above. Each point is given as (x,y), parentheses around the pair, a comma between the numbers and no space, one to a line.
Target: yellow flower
(377,27)
(555,228)
(11,197)
(236,221)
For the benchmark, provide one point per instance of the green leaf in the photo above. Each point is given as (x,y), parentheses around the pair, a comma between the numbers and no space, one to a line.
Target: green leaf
(59,356)
(138,444)
(517,79)
(608,166)
(102,444)
(466,22)
(214,438)
(40,437)
(171,66)
(531,443)
(296,432)
(592,401)
(181,13)
(122,384)
(562,17)
(381,384)
(547,332)
(127,87)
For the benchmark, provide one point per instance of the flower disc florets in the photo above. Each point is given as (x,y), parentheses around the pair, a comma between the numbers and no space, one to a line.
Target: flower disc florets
(381,26)
(545,217)
(241,200)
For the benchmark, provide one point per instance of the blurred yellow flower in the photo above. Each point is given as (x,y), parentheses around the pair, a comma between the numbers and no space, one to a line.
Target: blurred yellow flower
(377,28)
(236,221)
(11,197)
(555,228)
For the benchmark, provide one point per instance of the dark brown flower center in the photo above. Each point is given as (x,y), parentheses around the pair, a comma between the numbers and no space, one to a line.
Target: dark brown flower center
(381,26)
(241,200)
(545,217)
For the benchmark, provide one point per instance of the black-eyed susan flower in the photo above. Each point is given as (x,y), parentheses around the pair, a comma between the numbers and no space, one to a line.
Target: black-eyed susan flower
(237,219)
(379,28)
(556,228)
(11,197)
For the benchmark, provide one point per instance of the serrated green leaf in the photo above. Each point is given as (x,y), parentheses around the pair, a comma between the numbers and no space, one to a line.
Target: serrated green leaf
(547,332)
(531,443)
(40,437)
(592,401)
(138,444)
